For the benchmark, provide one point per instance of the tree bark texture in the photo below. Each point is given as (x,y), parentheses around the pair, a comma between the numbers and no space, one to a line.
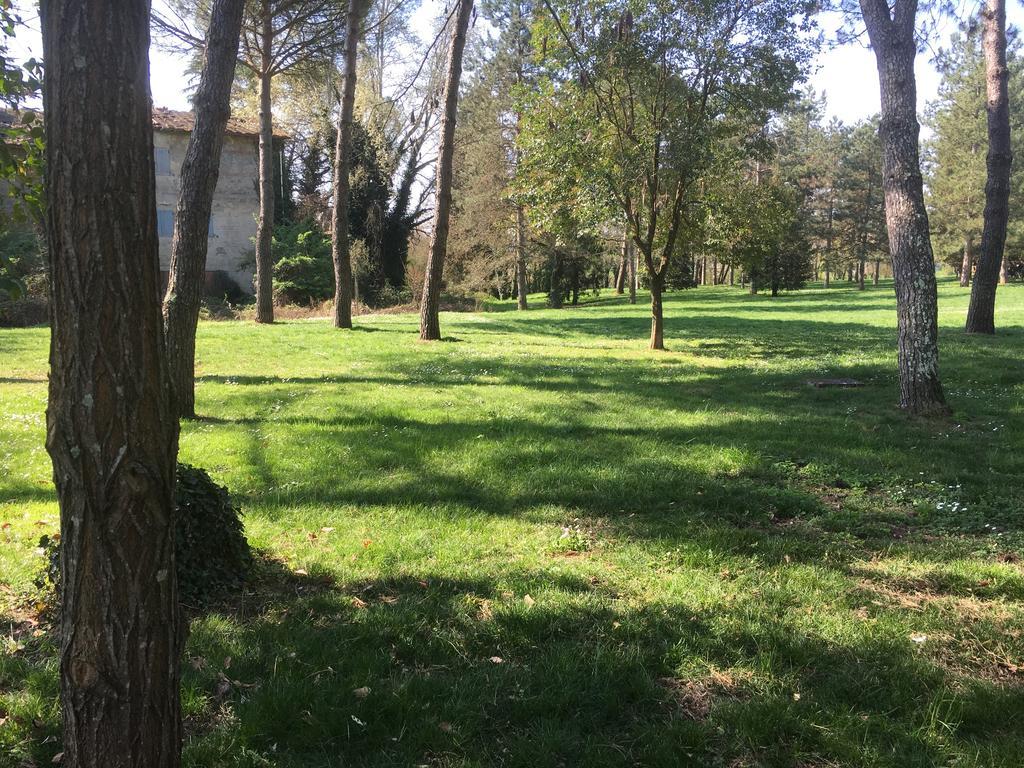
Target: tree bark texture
(342,166)
(197,183)
(430,328)
(265,225)
(521,287)
(875,276)
(111,431)
(892,38)
(981,313)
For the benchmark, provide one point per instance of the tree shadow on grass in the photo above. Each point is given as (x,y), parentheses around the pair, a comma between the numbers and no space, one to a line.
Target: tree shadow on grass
(424,668)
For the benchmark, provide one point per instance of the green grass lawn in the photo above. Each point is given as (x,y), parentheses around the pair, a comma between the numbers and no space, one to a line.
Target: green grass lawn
(541,544)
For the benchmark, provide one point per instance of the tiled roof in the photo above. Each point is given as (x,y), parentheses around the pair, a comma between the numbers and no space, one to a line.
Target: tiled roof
(174,120)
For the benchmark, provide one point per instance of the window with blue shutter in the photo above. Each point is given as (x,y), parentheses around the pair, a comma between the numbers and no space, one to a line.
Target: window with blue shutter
(162,161)
(164,222)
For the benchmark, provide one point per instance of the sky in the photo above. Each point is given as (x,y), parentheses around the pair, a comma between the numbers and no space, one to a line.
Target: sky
(846,74)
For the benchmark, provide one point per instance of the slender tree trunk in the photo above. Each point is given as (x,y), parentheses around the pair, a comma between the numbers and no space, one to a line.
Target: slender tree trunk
(828,277)
(631,260)
(342,162)
(981,313)
(878,268)
(968,262)
(521,286)
(198,181)
(1004,271)
(892,38)
(657,311)
(623,271)
(732,275)
(861,269)
(555,291)
(430,328)
(111,430)
(265,225)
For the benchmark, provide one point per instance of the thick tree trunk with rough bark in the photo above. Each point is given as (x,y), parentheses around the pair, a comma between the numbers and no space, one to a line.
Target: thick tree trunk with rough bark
(197,183)
(981,313)
(892,38)
(657,311)
(968,262)
(111,431)
(265,225)
(521,287)
(430,327)
(342,164)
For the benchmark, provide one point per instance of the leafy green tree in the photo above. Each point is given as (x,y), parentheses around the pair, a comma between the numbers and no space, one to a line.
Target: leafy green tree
(21,153)
(807,156)
(860,210)
(956,167)
(635,98)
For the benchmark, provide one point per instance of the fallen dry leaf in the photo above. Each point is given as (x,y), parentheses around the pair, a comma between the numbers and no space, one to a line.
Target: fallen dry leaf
(362,693)
(528,600)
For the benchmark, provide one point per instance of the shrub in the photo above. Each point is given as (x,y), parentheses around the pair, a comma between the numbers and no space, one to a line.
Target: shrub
(304,269)
(211,550)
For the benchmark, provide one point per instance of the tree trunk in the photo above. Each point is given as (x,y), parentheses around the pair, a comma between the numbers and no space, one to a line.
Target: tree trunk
(1004,271)
(657,311)
(623,271)
(198,181)
(878,268)
(861,269)
(430,328)
(111,430)
(981,313)
(967,264)
(342,162)
(521,287)
(892,38)
(265,225)
(555,291)
(732,275)
(828,277)
(631,261)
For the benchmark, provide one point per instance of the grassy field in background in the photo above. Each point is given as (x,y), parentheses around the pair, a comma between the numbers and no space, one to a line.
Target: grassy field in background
(540,544)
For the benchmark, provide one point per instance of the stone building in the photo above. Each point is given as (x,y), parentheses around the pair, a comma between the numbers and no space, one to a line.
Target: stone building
(229,261)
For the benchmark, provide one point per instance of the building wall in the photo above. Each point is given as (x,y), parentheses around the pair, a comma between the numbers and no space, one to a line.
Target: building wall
(235,205)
